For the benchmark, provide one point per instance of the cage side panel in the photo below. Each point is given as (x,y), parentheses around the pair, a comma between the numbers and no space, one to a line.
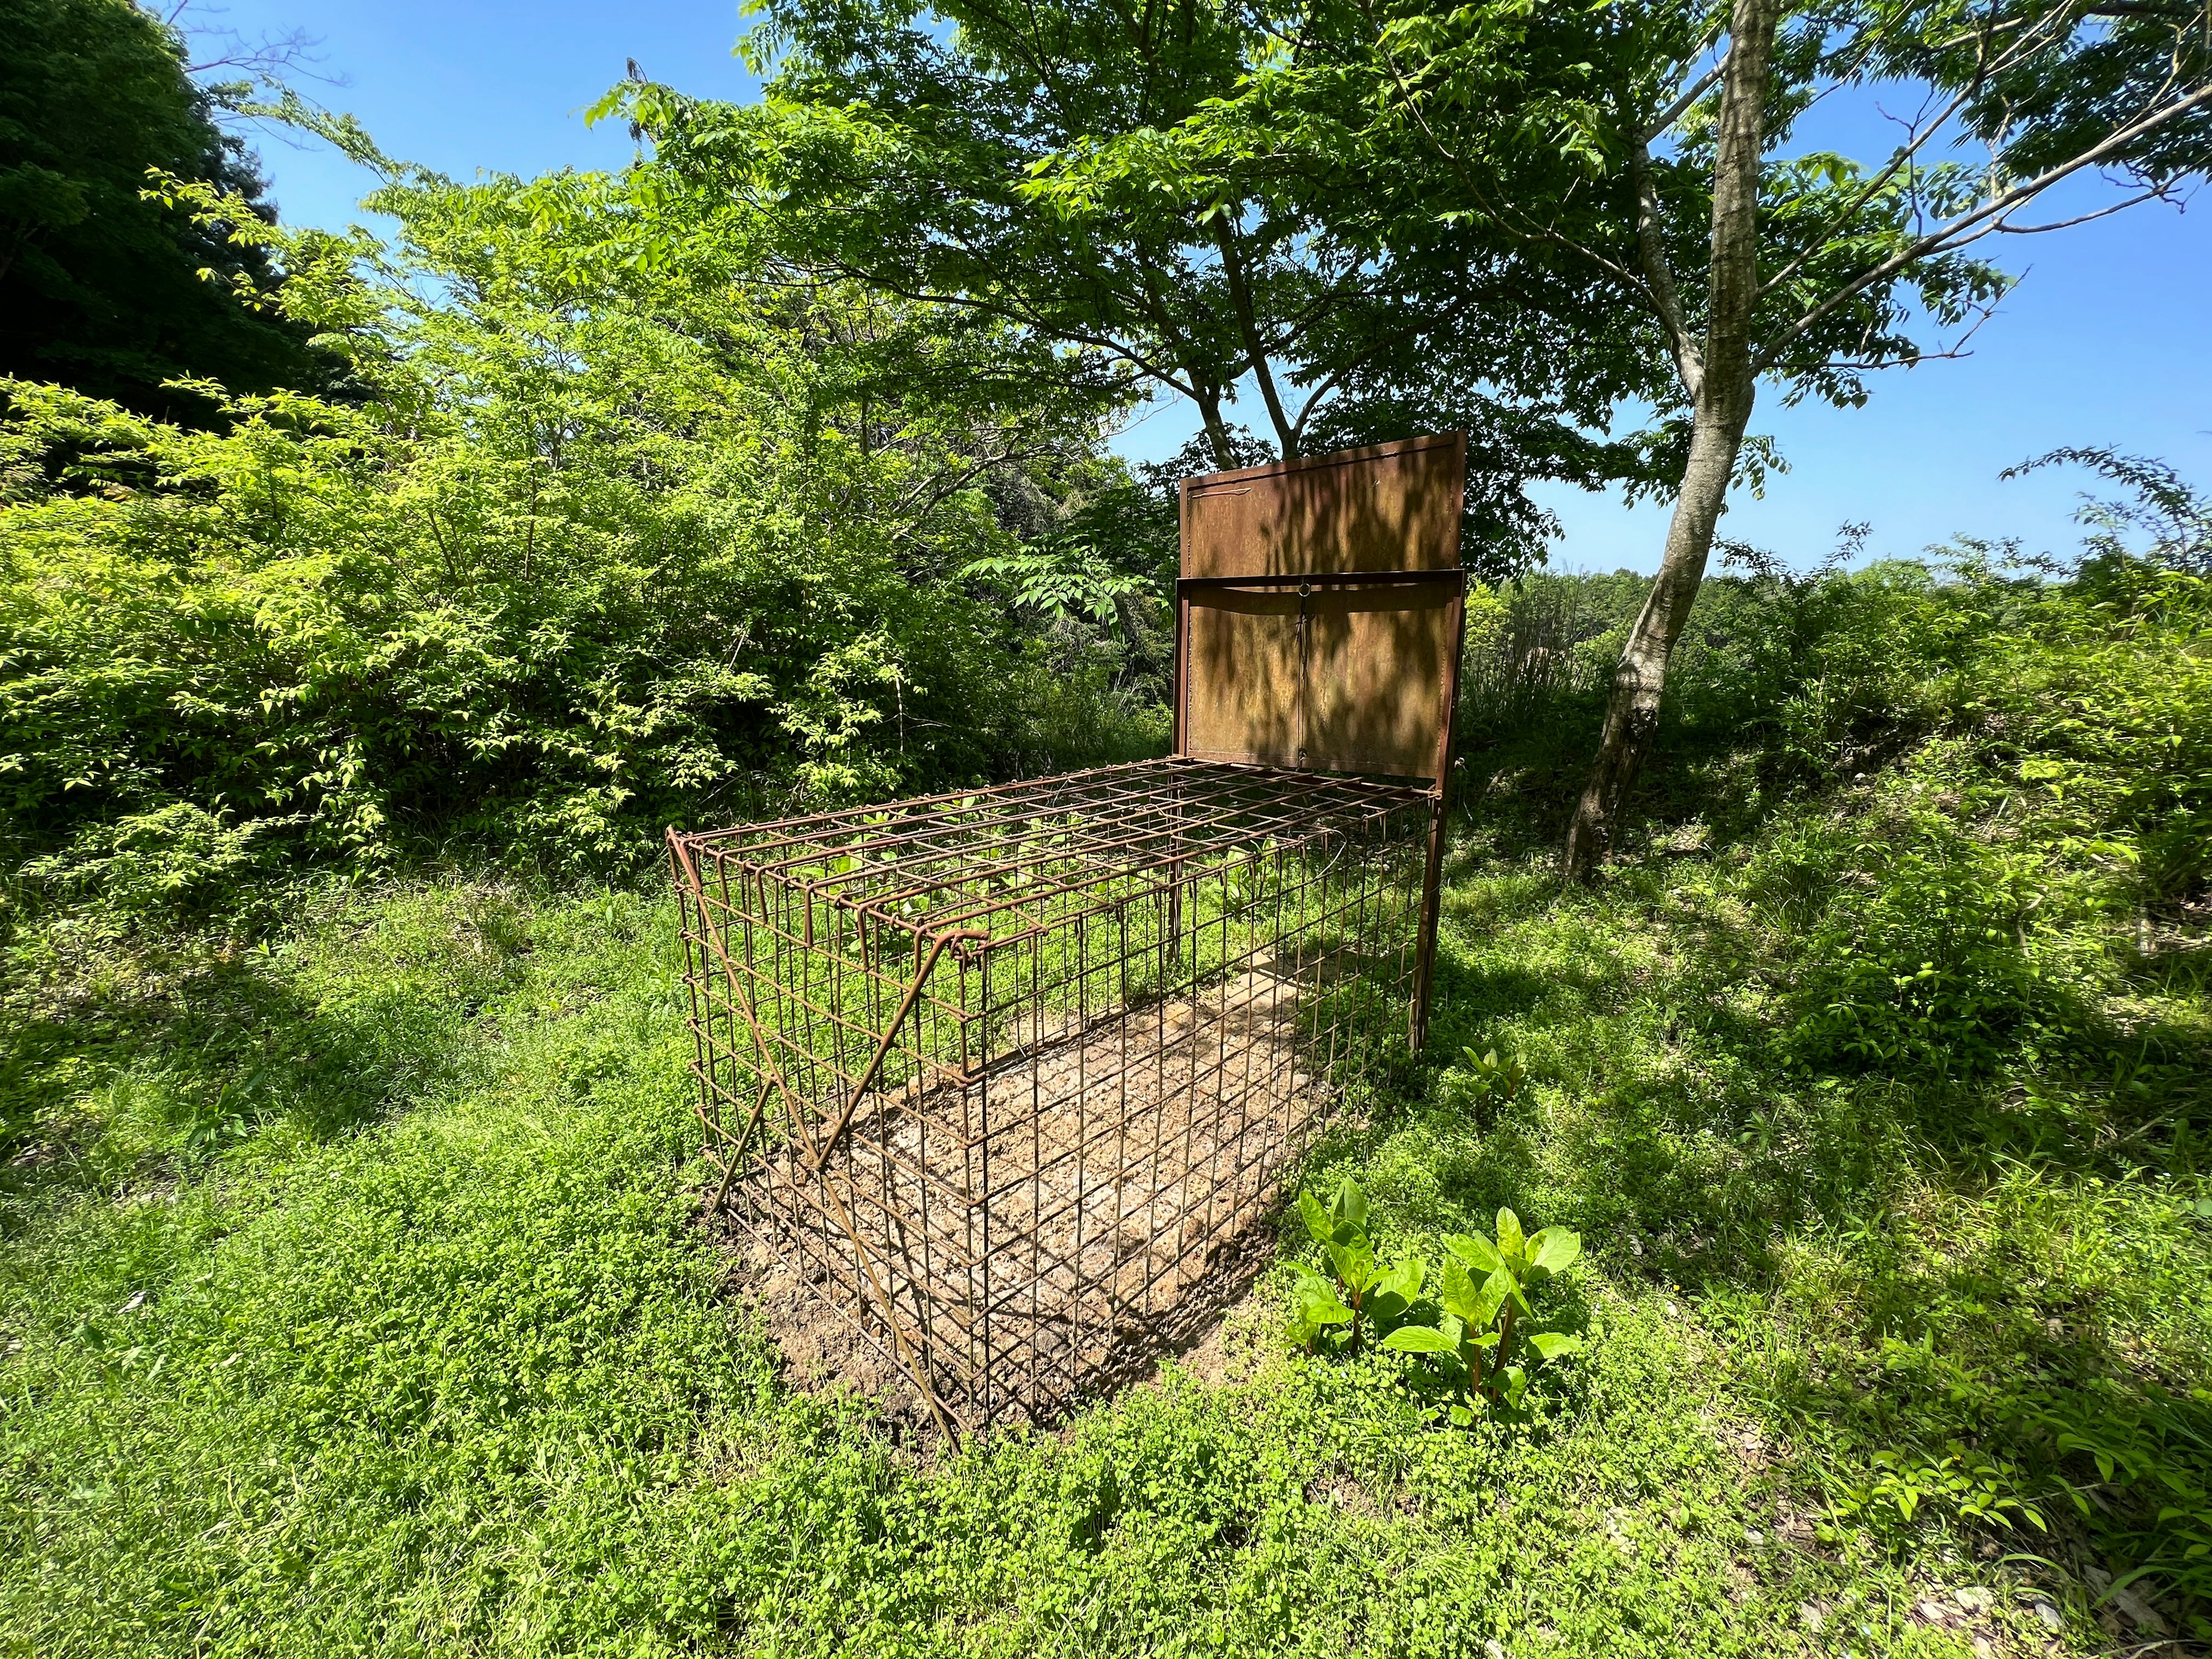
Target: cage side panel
(1152,1125)
(1057,1170)
(798,1001)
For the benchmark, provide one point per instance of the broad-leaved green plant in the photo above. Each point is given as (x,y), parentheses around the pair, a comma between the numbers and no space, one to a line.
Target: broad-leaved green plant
(1478,1328)
(1355,1290)
(1485,1319)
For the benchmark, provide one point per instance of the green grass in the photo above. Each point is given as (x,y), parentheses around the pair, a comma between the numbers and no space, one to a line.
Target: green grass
(418,1349)
(352,1297)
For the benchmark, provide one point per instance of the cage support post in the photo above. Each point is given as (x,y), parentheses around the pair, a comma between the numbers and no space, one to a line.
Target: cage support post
(1424,967)
(1425,972)
(1179,694)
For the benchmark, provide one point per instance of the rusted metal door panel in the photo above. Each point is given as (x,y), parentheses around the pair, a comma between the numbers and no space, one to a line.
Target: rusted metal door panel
(1388,506)
(1244,651)
(1378,679)
(1318,625)
(1343,676)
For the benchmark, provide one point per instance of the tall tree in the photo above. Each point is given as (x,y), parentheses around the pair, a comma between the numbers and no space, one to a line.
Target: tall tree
(99,288)
(1049,166)
(1650,141)
(2044,92)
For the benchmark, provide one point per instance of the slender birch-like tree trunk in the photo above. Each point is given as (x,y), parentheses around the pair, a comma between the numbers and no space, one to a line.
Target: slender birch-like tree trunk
(1719,377)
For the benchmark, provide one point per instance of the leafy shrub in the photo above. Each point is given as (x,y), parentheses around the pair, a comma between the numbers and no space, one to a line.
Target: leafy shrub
(2059,772)
(1488,1079)
(618,533)
(1471,1333)
(2131,1461)
(1482,1312)
(1923,953)
(1360,1298)
(2171,518)
(1959,1482)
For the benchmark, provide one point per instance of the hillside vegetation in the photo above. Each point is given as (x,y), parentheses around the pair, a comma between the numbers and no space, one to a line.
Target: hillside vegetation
(354,1298)
(616,530)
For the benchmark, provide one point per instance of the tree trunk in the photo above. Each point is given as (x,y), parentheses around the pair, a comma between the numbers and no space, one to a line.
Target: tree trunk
(1217,429)
(1631,712)
(1722,387)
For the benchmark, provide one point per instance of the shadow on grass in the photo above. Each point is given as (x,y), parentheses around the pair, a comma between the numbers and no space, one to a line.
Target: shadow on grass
(1989,1244)
(127,1058)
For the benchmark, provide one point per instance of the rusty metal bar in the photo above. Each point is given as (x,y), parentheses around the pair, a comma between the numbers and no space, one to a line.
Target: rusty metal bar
(890,1032)
(1432,877)
(1321,579)
(1016,1181)
(914,1357)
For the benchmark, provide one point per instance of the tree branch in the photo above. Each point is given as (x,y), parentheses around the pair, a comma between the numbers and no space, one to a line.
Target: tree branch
(1241,296)
(1675,111)
(1919,133)
(1659,281)
(1452,159)
(2155,193)
(1971,227)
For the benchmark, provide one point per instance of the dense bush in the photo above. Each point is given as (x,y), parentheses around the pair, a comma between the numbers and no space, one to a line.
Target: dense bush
(2082,695)
(627,531)
(1956,768)
(2060,779)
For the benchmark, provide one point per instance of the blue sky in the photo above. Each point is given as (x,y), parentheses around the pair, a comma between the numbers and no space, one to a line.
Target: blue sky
(2108,340)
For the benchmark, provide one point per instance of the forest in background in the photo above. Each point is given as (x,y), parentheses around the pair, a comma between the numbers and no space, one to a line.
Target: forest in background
(350,1298)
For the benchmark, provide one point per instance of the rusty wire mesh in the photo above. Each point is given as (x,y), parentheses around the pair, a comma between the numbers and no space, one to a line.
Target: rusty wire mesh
(1013,1072)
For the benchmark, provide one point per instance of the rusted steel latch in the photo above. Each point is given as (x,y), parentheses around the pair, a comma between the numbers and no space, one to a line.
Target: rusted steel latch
(936,943)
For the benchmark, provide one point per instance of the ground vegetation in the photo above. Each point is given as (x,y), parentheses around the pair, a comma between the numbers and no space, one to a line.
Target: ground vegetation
(355,1300)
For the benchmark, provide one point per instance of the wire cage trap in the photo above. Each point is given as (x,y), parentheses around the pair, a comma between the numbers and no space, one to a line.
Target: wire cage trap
(1008,1075)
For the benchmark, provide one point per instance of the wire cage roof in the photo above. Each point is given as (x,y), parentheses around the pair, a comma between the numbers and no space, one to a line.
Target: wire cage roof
(1006,859)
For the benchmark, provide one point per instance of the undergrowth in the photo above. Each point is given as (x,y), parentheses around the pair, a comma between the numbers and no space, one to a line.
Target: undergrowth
(352,1300)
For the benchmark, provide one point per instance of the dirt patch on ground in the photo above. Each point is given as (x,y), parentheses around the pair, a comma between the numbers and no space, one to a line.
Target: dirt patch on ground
(823,1346)
(1233,1345)
(1049,1231)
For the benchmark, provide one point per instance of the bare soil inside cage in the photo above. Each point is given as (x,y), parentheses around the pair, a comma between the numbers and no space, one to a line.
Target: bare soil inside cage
(1123,1169)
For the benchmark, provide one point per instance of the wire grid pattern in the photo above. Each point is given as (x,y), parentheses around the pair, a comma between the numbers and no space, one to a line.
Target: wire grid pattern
(1013,1072)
